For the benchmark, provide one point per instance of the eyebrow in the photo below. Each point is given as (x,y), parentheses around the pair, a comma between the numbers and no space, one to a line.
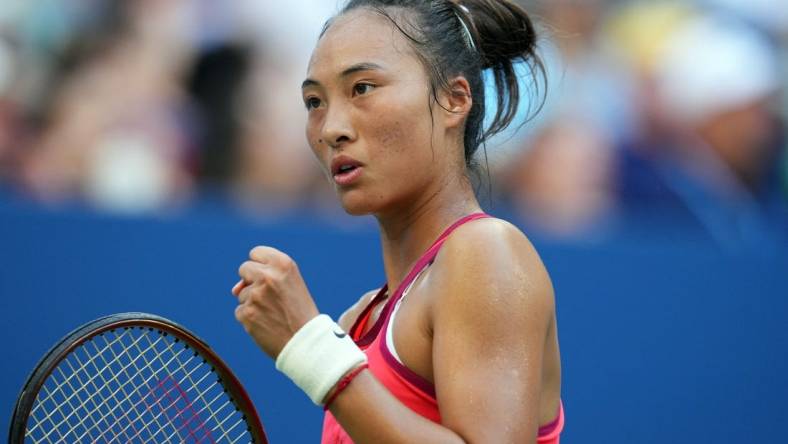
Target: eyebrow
(358,67)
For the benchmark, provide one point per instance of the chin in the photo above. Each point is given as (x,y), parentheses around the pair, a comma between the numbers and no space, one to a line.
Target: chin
(355,209)
(355,203)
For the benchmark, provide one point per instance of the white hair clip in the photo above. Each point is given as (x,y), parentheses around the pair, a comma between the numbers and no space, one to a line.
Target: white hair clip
(467,30)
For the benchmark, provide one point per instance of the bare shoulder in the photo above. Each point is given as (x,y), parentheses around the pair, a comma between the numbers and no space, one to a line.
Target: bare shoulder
(493,256)
(491,240)
(348,318)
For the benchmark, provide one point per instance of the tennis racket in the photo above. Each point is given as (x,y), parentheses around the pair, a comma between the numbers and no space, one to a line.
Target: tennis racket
(133,378)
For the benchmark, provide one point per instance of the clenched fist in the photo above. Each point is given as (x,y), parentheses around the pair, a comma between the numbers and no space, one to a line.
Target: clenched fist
(273,301)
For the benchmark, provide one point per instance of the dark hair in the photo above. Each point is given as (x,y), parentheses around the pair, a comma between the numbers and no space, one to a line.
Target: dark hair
(501,34)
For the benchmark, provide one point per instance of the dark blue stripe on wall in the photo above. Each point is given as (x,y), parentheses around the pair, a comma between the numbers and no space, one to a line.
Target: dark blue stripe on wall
(665,343)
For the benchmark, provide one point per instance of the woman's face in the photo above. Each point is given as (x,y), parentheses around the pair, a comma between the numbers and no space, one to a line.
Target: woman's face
(369,124)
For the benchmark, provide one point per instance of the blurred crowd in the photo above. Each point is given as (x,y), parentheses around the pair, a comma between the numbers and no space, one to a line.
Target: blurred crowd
(667,113)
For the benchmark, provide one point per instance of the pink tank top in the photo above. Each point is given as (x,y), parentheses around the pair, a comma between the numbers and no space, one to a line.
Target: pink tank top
(415,392)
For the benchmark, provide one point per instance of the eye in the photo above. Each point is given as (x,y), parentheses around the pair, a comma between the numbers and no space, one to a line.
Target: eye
(312,103)
(362,88)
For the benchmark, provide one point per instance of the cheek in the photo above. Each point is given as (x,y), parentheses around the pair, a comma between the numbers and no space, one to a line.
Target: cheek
(401,119)
(313,138)
(402,137)
(392,138)
(403,158)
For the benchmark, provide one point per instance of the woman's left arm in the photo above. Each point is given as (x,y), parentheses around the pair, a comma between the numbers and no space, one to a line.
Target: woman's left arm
(492,309)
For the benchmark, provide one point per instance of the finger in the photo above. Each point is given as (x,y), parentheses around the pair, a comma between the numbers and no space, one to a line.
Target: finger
(239,315)
(244,295)
(266,255)
(238,287)
(251,271)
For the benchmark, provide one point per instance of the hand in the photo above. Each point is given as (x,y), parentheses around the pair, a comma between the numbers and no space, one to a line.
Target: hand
(273,301)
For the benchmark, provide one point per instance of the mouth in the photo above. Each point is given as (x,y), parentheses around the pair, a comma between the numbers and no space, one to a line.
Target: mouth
(345,170)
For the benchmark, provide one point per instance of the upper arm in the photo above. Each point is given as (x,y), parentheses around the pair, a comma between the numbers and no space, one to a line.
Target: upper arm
(493,306)
(348,318)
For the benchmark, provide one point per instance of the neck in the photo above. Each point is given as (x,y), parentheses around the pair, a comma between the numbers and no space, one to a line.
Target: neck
(408,232)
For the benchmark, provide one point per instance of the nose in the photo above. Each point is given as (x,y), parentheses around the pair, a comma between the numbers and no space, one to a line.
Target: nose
(337,127)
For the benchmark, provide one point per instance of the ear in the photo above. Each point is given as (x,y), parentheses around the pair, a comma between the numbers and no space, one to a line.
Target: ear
(456,103)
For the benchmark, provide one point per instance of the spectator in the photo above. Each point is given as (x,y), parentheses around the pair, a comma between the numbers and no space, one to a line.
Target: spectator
(559,180)
(714,164)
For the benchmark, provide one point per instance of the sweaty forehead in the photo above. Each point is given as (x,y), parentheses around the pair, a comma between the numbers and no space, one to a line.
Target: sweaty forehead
(359,36)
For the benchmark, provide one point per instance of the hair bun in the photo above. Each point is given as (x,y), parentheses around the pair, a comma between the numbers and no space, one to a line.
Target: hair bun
(504,35)
(503,31)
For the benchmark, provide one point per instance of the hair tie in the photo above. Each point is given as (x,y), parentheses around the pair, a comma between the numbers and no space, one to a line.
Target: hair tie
(467,31)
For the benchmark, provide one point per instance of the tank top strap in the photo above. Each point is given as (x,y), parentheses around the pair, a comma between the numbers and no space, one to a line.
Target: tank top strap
(357,330)
(426,259)
(429,256)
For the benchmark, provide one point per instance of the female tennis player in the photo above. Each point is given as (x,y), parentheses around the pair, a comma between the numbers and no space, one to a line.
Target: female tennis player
(460,345)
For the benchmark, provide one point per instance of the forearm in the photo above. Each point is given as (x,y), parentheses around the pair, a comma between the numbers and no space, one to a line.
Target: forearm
(369,413)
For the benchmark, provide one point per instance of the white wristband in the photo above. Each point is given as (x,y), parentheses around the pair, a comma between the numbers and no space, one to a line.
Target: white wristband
(317,357)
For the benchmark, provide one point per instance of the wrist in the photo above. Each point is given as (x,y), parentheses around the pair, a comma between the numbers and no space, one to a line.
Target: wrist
(318,356)
(342,384)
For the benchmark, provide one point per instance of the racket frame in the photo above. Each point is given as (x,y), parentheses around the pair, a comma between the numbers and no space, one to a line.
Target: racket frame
(79,336)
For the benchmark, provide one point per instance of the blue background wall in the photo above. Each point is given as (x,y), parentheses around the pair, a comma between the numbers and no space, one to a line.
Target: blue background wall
(660,342)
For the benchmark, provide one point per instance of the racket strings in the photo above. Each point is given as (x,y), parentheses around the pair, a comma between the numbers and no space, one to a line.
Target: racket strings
(135,391)
(58,390)
(82,368)
(45,399)
(220,424)
(154,422)
(127,395)
(163,410)
(166,393)
(146,382)
(134,405)
(96,406)
(109,417)
(88,414)
(136,386)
